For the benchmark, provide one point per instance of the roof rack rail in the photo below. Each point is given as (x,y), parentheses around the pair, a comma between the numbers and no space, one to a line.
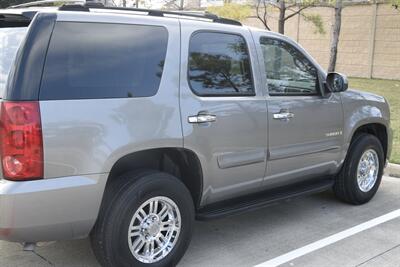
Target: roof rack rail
(151,12)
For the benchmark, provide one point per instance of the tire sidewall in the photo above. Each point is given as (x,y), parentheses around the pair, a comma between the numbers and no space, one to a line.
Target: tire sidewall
(131,199)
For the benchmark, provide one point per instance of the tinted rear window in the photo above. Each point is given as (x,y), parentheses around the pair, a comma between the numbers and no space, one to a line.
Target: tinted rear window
(10,40)
(99,60)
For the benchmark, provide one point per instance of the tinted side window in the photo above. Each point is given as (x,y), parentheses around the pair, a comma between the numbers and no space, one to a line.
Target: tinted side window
(288,71)
(219,64)
(10,40)
(99,60)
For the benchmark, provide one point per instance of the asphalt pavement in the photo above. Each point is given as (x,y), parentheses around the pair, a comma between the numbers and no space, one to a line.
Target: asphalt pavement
(270,233)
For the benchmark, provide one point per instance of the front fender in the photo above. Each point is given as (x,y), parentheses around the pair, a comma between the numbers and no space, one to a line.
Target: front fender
(361,109)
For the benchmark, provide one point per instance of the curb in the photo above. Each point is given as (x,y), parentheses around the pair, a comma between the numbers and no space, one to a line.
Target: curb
(393,170)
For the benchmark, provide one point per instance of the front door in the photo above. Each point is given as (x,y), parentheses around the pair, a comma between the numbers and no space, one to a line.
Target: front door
(223,110)
(305,126)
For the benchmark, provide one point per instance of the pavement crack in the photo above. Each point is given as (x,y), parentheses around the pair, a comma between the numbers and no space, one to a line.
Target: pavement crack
(376,256)
(43,258)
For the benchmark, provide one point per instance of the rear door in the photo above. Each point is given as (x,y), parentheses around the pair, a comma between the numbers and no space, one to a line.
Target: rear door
(305,126)
(223,109)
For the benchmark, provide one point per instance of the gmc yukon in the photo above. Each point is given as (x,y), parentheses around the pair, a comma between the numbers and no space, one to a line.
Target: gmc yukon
(126,125)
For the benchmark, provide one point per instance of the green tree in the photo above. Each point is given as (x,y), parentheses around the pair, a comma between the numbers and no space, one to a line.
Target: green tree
(231,11)
(396,4)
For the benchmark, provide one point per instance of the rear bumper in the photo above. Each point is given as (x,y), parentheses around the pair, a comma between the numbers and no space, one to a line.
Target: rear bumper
(50,209)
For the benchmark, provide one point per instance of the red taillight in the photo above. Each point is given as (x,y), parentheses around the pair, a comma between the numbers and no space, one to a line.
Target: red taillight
(21,141)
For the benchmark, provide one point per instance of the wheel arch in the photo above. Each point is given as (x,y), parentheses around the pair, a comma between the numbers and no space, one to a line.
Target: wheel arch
(379,130)
(179,162)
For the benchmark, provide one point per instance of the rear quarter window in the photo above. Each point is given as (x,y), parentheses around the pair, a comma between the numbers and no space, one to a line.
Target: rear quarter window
(10,41)
(101,60)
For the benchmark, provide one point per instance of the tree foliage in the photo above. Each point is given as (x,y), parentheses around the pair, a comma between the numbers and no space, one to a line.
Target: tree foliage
(396,4)
(316,20)
(231,11)
(7,3)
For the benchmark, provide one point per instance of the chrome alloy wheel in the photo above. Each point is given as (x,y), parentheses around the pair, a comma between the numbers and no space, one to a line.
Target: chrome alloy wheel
(154,229)
(367,170)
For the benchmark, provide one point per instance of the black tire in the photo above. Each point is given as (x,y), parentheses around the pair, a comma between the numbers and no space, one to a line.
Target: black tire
(346,187)
(109,236)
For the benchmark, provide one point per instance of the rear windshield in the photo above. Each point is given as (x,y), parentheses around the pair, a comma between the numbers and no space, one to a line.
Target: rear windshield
(100,60)
(10,40)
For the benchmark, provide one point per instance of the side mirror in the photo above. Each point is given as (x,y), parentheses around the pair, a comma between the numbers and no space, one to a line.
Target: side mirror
(336,82)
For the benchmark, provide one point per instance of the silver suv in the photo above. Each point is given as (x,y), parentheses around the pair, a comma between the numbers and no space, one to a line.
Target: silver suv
(126,124)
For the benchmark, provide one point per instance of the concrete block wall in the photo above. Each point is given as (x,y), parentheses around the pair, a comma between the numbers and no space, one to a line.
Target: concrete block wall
(386,58)
(354,41)
(369,43)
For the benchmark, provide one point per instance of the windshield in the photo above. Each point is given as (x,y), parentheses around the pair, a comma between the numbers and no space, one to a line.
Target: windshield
(10,40)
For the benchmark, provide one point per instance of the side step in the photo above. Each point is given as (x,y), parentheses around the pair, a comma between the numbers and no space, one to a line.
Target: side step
(262,199)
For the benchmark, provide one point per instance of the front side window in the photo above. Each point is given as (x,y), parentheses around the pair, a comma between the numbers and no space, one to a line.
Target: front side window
(219,64)
(104,60)
(288,71)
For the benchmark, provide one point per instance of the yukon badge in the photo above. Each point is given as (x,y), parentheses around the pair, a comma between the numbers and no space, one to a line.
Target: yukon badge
(333,133)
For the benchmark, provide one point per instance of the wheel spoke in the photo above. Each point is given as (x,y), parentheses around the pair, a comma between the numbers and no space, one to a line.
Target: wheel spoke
(147,248)
(162,238)
(165,228)
(138,244)
(141,214)
(158,241)
(134,228)
(163,213)
(152,247)
(155,207)
(134,231)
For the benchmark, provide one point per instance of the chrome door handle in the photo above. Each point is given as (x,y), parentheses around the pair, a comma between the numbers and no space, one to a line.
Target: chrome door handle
(283,116)
(202,118)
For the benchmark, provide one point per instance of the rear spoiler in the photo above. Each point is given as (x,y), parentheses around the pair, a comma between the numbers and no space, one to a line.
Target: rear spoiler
(16,19)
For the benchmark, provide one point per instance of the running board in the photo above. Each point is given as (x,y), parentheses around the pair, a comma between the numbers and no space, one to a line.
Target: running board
(262,199)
